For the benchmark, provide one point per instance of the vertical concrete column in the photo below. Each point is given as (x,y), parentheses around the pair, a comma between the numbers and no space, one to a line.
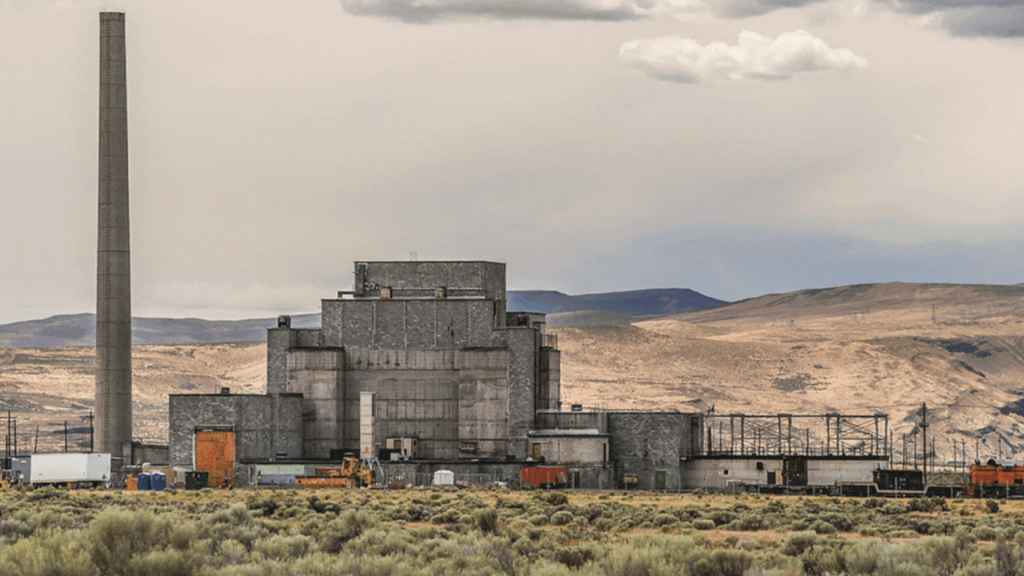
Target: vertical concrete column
(367,430)
(113,278)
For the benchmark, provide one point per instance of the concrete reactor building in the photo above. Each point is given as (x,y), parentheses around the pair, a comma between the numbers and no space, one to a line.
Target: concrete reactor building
(423,359)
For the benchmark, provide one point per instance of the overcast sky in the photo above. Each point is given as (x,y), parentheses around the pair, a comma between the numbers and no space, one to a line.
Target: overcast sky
(735,147)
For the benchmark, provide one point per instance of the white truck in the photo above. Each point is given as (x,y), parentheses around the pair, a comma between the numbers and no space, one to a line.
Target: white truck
(75,470)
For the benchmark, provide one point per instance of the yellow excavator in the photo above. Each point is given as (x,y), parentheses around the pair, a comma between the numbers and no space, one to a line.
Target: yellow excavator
(354,473)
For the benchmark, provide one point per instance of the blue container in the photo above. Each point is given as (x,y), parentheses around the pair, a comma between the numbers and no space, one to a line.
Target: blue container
(144,482)
(159,481)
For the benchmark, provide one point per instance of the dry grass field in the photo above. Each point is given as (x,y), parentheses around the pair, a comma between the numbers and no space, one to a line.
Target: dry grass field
(860,349)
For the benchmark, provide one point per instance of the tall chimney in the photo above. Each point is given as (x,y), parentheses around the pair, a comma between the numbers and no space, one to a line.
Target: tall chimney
(113,270)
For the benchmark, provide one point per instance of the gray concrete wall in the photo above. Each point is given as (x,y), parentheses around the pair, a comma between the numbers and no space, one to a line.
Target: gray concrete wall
(720,473)
(419,279)
(549,420)
(279,341)
(645,442)
(522,373)
(550,393)
(483,402)
(407,324)
(571,449)
(317,374)
(443,398)
(264,425)
(155,454)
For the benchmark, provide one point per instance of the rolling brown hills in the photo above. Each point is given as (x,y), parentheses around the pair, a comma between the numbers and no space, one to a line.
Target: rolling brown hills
(857,349)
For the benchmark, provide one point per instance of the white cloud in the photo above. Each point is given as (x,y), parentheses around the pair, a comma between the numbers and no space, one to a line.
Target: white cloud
(755,56)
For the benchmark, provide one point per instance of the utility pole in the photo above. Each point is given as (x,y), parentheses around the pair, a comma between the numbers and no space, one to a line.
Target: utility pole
(904,451)
(65,435)
(89,418)
(924,441)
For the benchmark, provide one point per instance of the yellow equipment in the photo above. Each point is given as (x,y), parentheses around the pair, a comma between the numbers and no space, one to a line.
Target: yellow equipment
(354,473)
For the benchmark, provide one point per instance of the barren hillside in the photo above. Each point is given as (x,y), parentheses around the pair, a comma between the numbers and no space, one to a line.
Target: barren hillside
(45,387)
(859,349)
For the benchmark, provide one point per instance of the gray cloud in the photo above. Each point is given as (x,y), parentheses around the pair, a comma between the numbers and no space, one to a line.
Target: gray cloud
(745,8)
(995,18)
(431,10)
(428,10)
(755,56)
(1001,21)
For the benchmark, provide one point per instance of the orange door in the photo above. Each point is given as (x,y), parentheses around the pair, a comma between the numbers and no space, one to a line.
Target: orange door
(215,453)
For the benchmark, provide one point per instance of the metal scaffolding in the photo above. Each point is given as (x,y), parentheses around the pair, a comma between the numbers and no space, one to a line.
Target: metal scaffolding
(831,434)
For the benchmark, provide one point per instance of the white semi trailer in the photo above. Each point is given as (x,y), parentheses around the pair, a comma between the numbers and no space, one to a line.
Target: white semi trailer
(73,469)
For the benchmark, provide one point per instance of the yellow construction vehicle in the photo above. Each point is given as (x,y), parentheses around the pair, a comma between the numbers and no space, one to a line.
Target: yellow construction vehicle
(6,478)
(354,473)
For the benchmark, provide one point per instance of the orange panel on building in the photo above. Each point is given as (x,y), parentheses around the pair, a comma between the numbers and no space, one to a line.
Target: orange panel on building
(215,453)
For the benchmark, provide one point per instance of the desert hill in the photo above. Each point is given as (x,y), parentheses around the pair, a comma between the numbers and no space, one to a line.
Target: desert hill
(609,307)
(857,349)
(615,307)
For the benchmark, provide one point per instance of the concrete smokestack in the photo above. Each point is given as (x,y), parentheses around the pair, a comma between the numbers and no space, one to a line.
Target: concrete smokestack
(113,271)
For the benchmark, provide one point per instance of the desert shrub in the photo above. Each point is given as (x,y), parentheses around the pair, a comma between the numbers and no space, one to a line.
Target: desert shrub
(721,517)
(796,543)
(61,553)
(991,506)
(723,563)
(868,530)
(575,556)
(554,498)
(665,520)
(486,520)
(704,524)
(874,502)
(604,524)
(863,557)
(561,518)
(894,509)
(382,542)
(449,516)
(118,536)
(13,530)
(822,527)
(929,505)
(334,534)
(984,533)
(841,522)
(748,523)
(629,560)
